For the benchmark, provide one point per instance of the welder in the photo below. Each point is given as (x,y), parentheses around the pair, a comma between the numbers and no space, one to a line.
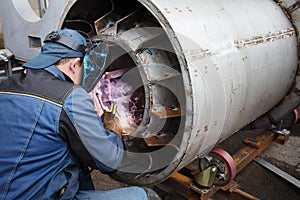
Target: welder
(50,133)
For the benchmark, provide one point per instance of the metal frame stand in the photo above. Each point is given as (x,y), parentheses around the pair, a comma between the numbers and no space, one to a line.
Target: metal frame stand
(5,56)
(182,186)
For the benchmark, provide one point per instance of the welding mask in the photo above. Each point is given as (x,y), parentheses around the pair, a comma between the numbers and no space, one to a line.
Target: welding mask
(94,65)
(69,43)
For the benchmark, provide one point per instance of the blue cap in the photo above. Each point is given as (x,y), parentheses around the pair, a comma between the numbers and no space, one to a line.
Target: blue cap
(59,44)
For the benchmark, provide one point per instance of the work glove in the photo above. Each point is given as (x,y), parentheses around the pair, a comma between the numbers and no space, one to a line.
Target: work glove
(97,103)
(112,123)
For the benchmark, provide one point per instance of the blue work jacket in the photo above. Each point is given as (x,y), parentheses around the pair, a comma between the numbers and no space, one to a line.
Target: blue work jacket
(48,129)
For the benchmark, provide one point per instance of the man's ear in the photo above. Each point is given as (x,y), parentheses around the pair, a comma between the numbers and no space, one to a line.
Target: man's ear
(74,64)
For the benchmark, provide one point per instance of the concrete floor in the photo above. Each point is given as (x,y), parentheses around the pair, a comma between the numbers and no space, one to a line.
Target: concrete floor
(254,179)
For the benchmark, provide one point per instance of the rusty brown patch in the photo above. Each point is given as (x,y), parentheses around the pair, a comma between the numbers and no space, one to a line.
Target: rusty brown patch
(206,128)
(189,9)
(167,10)
(270,37)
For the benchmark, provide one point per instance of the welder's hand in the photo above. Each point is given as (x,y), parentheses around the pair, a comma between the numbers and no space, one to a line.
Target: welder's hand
(97,105)
(112,123)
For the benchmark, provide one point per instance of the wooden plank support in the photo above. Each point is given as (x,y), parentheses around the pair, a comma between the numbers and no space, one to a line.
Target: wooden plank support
(254,146)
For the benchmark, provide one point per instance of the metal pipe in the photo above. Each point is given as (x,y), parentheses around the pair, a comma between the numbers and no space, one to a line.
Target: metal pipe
(278,172)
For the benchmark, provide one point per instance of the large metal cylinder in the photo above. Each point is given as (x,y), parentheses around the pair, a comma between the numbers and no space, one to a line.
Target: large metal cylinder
(206,68)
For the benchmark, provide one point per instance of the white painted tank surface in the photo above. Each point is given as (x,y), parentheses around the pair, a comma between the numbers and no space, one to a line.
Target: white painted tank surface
(195,71)
(236,60)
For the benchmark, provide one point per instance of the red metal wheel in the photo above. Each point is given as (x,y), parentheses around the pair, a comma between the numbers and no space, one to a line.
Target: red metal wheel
(296,116)
(225,165)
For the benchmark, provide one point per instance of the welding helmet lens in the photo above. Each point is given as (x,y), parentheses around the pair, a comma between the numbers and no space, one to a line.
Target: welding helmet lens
(94,65)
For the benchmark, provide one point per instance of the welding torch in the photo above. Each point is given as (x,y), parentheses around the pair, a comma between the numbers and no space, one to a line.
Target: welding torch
(113,110)
(111,121)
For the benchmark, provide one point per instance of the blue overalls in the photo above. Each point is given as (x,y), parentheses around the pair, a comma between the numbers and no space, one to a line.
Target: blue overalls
(48,129)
